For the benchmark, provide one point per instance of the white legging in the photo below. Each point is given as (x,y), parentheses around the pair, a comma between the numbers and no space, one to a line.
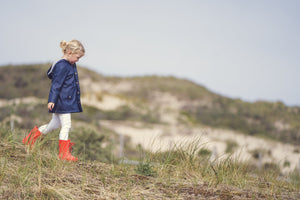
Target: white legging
(63,120)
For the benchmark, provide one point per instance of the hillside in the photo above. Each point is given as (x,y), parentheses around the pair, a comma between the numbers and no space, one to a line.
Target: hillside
(38,174)
(181,141)
(194,103)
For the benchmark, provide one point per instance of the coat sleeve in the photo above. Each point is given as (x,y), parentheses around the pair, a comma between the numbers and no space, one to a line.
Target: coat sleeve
(59,76)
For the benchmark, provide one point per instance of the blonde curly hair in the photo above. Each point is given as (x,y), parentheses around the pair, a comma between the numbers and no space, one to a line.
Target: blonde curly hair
(73,46)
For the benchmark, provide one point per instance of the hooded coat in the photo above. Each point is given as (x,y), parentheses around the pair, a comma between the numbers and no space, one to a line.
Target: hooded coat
(65,90)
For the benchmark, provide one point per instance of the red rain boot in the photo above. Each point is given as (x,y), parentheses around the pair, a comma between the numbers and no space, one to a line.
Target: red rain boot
(64,151)
(31,138)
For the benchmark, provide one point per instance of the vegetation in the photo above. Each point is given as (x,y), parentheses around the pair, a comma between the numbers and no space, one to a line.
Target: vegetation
(272,120)
(184,172)
(126,113)
(231,146)
(183,89)
(23,81)
(267,119)
(181,173)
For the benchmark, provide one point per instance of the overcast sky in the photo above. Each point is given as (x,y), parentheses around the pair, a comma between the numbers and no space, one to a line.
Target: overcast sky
(237,48)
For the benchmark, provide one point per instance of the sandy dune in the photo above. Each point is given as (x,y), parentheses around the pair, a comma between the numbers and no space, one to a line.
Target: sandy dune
(163,137)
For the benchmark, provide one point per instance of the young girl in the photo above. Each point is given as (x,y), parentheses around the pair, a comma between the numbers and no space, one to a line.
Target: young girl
(64,98)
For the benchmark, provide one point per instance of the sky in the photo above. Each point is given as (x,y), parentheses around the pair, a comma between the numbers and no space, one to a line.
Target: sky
(240,49)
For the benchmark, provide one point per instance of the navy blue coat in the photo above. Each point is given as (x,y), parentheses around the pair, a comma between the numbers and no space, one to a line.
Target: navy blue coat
(65,90)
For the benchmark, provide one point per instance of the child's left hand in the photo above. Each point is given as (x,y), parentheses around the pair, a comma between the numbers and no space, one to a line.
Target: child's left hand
(50,106)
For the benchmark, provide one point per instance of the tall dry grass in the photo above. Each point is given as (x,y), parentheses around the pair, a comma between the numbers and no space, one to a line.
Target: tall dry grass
(183,172)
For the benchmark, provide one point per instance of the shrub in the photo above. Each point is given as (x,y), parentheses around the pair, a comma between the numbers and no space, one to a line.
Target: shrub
(204,153)
(231,146)
(94,145)
(146,169)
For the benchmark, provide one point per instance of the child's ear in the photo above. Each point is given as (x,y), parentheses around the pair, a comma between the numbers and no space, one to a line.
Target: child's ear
(68,53)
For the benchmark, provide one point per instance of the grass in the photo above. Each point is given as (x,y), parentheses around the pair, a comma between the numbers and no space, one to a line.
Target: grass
(183,172)
(273,120)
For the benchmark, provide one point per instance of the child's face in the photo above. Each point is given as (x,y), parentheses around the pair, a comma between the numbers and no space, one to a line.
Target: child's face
(74,57)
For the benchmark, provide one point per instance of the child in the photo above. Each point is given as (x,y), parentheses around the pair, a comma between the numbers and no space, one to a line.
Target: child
(64,98)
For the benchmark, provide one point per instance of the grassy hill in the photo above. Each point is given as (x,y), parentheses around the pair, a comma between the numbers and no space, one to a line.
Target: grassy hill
(198,105)
(176,174)
(183,172)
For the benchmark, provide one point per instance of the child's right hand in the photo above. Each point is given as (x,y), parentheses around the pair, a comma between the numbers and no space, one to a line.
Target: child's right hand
(50,106)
